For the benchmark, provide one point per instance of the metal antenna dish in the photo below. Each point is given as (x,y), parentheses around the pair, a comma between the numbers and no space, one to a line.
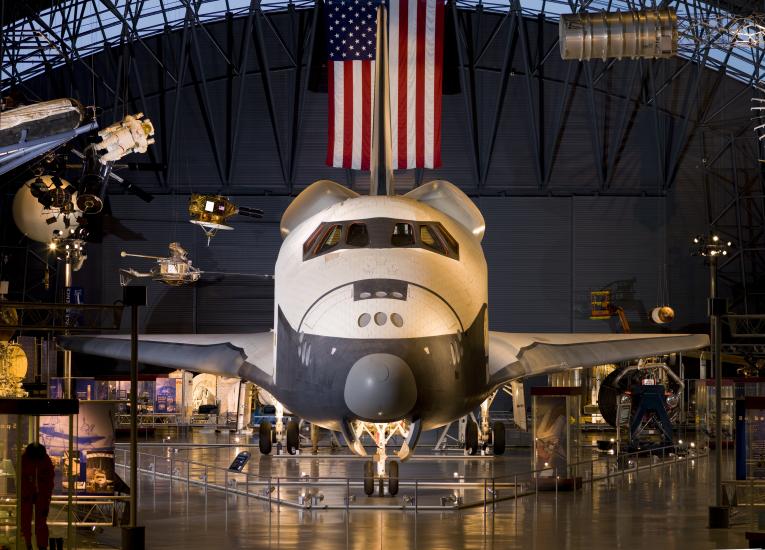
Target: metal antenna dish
(211,228)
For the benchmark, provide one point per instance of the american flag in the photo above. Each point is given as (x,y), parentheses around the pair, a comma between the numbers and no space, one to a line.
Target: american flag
(415,73)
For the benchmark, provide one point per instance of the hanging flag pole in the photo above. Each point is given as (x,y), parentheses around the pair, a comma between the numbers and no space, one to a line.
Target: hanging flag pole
(381,169)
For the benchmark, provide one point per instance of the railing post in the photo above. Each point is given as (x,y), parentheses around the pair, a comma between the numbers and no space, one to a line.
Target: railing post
(416,496)
(485,488)
(515,486)
(555,473)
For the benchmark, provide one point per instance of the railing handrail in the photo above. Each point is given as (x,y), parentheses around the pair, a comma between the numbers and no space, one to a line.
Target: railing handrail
(473,479)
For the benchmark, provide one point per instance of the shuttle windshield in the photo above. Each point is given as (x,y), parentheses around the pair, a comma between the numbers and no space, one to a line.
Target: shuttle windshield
(380,233)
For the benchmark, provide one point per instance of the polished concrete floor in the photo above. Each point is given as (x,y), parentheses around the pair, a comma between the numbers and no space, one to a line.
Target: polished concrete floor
(662,508)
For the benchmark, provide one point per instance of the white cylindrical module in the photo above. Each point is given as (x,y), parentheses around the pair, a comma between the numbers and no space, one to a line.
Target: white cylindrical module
(649,34)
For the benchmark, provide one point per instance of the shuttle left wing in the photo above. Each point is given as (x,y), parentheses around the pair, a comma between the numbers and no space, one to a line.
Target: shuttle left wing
(516,355)
(249,356)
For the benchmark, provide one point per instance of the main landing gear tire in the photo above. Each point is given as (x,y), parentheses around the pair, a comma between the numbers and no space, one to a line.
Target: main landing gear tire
(264,439)
(369,478)
(293,437)
(393,478)
(498,437)
(471,438)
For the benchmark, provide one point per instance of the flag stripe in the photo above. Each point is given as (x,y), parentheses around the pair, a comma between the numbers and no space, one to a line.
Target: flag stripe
(420,91)
(358,100)
(428,95)
(366,112)
(403,82)
(331,113)
(438,83)
(337,159)
(393,77)
(348,114)
(411,82)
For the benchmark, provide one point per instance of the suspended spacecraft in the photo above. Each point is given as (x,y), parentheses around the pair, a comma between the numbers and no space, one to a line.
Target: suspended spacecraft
(173,270)
(211,212)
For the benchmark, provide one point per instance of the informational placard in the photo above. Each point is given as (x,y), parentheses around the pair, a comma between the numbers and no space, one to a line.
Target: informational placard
(239,462)
(92,459)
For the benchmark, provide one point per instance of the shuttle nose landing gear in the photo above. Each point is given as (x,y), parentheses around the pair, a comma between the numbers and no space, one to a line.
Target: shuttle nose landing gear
(379,469)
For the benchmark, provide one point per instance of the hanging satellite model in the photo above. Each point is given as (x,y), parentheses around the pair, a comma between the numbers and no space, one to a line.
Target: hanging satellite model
(172,270)
(211,212)
(45,208)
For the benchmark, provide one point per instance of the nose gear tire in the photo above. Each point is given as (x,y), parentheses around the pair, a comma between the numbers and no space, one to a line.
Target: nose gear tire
(369,478)
(471,438)
(498,436)
(393,478)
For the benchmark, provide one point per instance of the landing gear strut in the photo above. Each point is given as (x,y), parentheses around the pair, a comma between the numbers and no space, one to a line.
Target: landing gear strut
(491,434)
(381,433)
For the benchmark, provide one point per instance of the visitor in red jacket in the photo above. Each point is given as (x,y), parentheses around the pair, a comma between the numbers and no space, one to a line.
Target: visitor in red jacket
(36,490)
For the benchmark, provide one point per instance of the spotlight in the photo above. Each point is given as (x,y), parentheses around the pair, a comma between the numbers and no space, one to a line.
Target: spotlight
(51,246)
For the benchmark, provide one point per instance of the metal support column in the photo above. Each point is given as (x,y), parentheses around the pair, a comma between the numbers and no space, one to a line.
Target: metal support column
(133,535)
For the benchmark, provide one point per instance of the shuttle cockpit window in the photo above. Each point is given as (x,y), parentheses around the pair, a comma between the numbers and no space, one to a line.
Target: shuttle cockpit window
(357,235)
(403,235)
(331,238)
(309,244)
(429,239)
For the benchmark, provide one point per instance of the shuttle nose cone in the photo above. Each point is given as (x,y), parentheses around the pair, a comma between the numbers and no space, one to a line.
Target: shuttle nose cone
(380,387)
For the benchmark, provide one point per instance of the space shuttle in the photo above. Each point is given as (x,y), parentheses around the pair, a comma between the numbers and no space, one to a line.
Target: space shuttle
(381,320)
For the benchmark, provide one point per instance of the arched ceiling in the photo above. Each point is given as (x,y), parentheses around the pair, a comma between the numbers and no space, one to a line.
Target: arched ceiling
(41,35)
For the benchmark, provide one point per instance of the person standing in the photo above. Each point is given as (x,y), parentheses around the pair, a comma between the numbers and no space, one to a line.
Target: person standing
(37,477)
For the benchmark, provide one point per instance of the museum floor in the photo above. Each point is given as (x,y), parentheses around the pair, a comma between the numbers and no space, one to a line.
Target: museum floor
(664,508)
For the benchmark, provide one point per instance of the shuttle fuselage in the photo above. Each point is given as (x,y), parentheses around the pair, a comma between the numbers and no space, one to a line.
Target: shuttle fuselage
(381,312)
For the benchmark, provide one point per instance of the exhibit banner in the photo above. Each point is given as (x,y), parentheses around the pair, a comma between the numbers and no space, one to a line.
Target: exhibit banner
(92,459)
(165,400)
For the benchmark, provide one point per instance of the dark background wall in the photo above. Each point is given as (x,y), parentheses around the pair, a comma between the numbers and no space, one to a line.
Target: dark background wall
(590,175)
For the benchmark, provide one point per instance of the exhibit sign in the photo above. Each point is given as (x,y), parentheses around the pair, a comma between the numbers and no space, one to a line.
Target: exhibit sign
(91,461)
(556,430)
(755,437)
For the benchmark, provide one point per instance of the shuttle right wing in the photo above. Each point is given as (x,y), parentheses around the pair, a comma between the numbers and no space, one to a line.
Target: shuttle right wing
(516,355)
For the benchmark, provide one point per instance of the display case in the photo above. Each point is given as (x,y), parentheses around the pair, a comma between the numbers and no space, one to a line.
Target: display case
(556,431)
(705,409)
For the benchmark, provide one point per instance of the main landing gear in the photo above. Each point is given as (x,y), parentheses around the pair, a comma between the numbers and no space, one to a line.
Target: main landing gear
(477,436)
(268,436)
